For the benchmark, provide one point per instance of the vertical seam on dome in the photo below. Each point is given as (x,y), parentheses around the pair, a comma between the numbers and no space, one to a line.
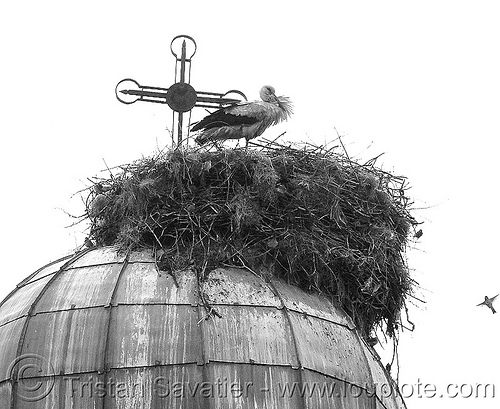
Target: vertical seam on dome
(374,392)
(201,321)
(396,390)
(105,365)
(286,313)
(22,337)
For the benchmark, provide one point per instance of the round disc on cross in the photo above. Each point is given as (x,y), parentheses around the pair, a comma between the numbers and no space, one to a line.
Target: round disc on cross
(181,97)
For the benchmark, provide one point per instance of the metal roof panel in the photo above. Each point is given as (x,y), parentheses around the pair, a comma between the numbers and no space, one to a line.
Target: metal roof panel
(253,386)
(324,392)
(300,301)
(61,392)
(98,256)
(143,335)
(238,286)
(49,269)
(72,341)
(5,392)
(100,314)
(80,288)
(10,334)
(19,303)
(329,348)
(246,334)
(172,387)
(141,284)
(383,384)
(142,256)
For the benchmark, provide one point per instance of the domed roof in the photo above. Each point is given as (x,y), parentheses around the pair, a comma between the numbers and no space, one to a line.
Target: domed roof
(105,329)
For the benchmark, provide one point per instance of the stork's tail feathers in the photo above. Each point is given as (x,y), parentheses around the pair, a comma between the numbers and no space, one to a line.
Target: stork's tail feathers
(201,139)
(213,134)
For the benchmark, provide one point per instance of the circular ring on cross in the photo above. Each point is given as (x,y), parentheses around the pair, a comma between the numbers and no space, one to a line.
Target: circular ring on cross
(235,91)
(124,91)
(192,46)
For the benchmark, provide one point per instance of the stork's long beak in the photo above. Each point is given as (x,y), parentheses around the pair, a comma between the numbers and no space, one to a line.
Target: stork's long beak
(277,100)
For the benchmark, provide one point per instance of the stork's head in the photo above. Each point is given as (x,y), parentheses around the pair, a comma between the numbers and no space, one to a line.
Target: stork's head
(267,94)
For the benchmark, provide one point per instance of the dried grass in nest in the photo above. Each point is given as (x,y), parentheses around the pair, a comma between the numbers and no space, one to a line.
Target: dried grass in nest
(309,215)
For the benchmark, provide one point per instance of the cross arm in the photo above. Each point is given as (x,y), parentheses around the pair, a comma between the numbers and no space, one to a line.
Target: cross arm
(160,95)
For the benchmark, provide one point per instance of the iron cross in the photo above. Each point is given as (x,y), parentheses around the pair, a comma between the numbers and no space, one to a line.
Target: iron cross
(181,97)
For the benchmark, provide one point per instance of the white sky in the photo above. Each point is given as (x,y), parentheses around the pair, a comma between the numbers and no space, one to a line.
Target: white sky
(417,80)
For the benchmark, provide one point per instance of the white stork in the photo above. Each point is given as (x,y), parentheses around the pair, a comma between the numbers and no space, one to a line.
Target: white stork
(245,119)
(489,302)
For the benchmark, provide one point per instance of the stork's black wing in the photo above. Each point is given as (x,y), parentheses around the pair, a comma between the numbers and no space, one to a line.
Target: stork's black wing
(225,117)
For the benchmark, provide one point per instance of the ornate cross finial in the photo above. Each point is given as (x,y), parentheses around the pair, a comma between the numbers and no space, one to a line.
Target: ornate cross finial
(181,97)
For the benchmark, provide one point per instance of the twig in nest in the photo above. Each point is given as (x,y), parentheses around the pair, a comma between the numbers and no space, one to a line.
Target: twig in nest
(163,260)
(342,143)
(242,261)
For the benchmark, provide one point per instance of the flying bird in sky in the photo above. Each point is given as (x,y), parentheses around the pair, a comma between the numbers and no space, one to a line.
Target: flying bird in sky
(245,119)
(489,302)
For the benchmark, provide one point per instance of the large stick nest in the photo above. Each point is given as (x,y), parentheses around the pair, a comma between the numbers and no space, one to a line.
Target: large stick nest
(311,216)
